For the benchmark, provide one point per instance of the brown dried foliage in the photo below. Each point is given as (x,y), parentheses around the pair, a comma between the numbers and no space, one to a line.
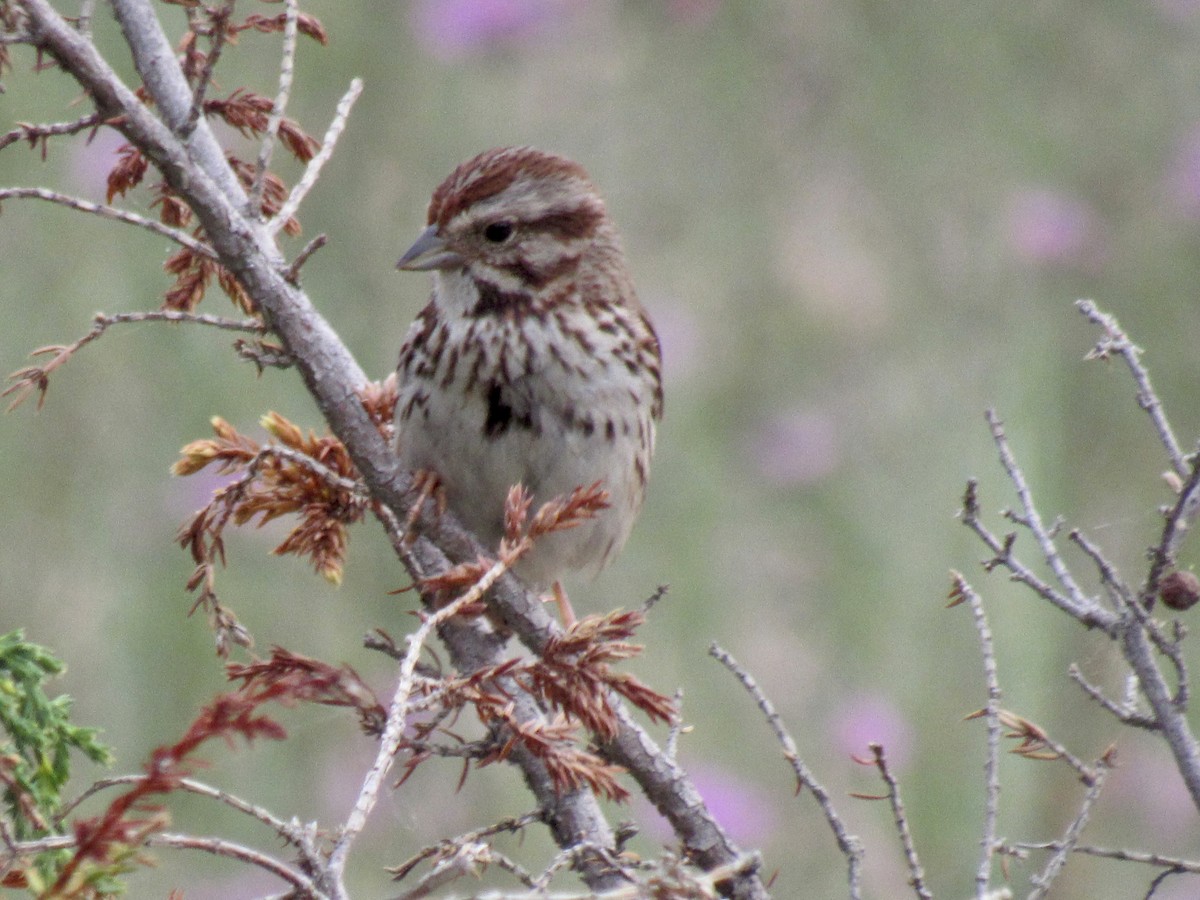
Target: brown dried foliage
(574,677)
(249,113)
(127,172)
(555,742)
(575,673)
(557,514)
(274,192)
(305,24)
(1034,743)
(289,677)
(272,485)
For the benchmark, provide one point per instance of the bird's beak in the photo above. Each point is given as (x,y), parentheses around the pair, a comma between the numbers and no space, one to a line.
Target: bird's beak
(429,251)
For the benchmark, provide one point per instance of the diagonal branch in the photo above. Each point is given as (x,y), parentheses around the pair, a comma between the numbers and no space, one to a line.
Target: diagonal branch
(111,212)
(313,171)
(849,844)
(287,68)
(1117,341)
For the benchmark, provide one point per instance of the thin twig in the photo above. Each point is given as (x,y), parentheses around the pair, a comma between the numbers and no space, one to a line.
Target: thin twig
(313,170)
(1118,591)
(571,857)
(1159,880)
(849,844)
(37,377)
(1116,341)
(293,271)
(1177,522)
(671,744)
(511,826)
(1037,743)
(463,859)
(1003,556)
(962,590)
(1123,713)
(1081,606)
(398,718)
(1150,859)
(222,847)
(1136,647)
(1070,839)
(83,22)
(287,68)
(33,133)
(111,212)
(916,875)
(217,39)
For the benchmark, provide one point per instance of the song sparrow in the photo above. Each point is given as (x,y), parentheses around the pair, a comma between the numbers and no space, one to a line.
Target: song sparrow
(533,362)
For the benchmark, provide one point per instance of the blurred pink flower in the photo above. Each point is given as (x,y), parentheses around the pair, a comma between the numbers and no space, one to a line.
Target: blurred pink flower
(1178,11)
(1149,786)
(1183,176)
(872,719)
(91,161)
(743,809)
(681,336)
(1049,227)
(696,13)
(798,447)
(451,29)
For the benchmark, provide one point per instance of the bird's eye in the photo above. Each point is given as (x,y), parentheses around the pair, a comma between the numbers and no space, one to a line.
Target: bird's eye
(498,232)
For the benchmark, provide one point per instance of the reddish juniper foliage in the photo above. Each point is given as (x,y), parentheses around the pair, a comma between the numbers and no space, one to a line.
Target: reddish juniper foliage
(289,677)
(130,818)
(274,483)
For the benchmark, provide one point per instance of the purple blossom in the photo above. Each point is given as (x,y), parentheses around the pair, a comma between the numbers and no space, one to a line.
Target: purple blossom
(681,336)
(872,719)
(1178,11)
(1183,176)
(744,809)
(798,447)
(92,160)
(1152,790)
(1053,228)
(452,29)
(696,13)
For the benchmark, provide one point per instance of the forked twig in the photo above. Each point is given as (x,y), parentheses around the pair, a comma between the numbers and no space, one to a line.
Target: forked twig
(1150,859)
(232,850)
(1117,341)
(397,719)
(1078,604)
(849,844)
(1021,573)
(220,19)
(32,378)
(1043,881)
(1123,713)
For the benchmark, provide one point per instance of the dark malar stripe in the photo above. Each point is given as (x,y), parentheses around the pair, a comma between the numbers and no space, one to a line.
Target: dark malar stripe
(494,301)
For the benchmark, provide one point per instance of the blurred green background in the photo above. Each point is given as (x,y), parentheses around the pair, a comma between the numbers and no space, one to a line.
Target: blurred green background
(856,225)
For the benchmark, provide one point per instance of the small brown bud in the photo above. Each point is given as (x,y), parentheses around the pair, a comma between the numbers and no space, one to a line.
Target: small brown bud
(1179,590)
